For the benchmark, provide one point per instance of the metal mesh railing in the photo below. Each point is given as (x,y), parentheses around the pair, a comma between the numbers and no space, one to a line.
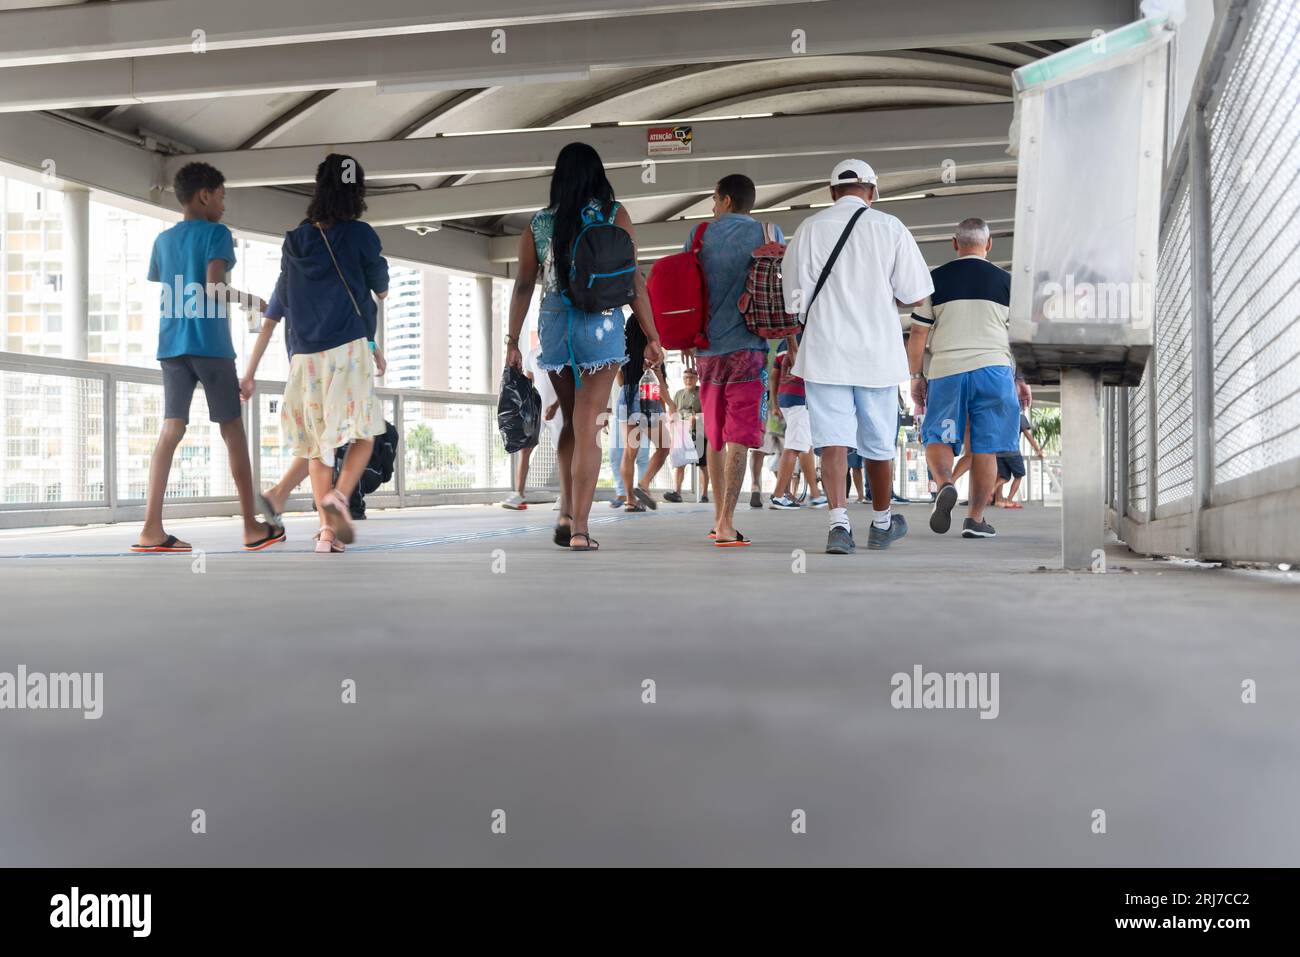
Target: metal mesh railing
(1218,424)
(201,466)
(51,439)
(1173,343)
(452,446)
(63,448)
(1137,450)
(1254,146)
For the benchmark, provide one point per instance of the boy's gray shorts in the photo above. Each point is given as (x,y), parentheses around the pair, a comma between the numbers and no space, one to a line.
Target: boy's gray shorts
(220,387)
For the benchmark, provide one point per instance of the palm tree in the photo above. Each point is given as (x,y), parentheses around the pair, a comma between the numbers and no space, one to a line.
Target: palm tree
(1046,422)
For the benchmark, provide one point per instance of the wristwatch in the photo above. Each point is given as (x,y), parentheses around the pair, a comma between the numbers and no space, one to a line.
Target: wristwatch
(918,375)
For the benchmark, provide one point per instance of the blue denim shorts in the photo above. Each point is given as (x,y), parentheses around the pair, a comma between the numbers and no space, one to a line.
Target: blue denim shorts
(986,398)
(569,337)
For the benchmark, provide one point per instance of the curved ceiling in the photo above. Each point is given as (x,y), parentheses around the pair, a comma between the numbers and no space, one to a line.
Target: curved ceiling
(901,86)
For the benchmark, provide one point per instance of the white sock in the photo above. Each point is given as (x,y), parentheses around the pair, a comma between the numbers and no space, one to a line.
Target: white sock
(880,519)
(840,516)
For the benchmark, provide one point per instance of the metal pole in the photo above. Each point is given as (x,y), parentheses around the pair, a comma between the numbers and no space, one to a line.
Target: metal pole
(1121,450)
(399,471)
(1198,167)
(109,457)
(1082,507)
(254,406)
(76,291)
(381,337)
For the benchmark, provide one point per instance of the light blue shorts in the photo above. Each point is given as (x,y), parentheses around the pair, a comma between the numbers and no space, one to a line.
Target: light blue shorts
(569,337)
(986,398)
(854,417)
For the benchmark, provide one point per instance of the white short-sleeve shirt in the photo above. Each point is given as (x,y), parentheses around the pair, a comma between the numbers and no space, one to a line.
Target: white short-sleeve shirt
(853,335)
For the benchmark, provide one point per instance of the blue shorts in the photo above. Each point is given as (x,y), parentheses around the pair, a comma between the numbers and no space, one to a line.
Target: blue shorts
(854,417)
(986,397)
(596,338)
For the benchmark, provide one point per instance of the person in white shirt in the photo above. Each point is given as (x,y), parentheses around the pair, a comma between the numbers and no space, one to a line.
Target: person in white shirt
(851,357)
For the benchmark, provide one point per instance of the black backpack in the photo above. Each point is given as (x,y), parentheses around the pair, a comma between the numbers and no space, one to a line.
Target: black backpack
(602,265)
(379,470)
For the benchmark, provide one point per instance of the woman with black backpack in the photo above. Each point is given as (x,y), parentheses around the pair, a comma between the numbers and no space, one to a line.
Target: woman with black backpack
(583,249)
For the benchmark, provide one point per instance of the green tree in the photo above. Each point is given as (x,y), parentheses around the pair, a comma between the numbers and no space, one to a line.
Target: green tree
(420,447)
(1046,423)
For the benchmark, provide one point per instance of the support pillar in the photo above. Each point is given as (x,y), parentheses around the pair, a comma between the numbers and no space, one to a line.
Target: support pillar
(380,337)
(74,450)
(76,270)
(483,328)
(482,379)
(1202,279)
(1082,461)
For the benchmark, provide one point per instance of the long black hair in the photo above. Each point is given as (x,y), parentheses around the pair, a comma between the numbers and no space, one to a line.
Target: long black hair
(340,191)
(579,178)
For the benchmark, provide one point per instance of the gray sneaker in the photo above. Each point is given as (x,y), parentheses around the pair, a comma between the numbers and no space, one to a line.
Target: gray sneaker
(840,541)
(981,529)
(879,538)
(941,514)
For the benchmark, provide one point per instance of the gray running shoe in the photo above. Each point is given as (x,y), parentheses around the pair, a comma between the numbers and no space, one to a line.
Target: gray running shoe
(941,514)
(783,501)
(879,538)
(981,529)
(840,541)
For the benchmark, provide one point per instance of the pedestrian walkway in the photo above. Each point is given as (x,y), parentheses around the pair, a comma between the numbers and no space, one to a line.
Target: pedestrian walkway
(1117,691)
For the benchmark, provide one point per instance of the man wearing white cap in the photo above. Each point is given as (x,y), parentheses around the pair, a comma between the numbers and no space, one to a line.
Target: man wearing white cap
(846,272)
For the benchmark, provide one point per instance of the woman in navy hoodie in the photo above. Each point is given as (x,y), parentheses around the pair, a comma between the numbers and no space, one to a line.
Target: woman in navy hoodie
(329,266)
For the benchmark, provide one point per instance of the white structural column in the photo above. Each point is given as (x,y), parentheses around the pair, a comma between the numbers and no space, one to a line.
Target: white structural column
(380,338)
(76,270)
(76,291)
(482,378)
(1082,470)
(483,331)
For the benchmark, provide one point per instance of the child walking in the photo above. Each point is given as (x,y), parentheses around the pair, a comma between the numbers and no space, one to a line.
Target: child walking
(192,261)
(329,266)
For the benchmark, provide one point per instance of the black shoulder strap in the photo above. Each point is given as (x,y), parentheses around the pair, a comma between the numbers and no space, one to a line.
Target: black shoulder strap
(830,262)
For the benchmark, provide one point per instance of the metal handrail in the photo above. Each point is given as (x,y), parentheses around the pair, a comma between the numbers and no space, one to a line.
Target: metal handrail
(84,369)
(109,507)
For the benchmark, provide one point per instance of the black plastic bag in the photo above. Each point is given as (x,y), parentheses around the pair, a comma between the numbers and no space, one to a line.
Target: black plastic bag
(519,411)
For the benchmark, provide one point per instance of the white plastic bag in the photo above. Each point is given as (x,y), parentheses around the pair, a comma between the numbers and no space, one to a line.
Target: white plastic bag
(683,449)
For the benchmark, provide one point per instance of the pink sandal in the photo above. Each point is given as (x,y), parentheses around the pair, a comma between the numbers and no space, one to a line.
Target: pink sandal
(327,542)
(336,507)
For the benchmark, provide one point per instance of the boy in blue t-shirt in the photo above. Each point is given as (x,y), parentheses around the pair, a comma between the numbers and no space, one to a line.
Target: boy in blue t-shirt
(192,260)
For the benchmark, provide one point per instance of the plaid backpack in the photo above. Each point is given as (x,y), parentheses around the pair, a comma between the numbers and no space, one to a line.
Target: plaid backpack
(763,302)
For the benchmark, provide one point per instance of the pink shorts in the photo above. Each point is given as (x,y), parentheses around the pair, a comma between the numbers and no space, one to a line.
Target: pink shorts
(731,400)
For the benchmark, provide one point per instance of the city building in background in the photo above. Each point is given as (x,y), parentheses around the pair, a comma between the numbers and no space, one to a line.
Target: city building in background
(432,335)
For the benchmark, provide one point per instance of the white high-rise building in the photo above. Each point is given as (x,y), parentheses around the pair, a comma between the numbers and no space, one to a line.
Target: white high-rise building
(461,334)
(404,328)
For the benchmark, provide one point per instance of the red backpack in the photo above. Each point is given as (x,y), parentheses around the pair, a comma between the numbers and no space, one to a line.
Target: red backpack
(679,297)
(763,301)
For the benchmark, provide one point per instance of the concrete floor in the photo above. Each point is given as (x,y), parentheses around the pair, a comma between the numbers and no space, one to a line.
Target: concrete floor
(522,691)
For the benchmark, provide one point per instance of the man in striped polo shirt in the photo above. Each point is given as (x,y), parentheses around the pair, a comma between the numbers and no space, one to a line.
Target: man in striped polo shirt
(971,375)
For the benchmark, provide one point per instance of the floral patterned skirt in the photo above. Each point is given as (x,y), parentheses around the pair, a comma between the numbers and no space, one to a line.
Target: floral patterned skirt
(330,400)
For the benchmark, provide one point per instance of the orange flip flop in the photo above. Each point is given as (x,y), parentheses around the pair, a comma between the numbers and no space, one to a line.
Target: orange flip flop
(169,544)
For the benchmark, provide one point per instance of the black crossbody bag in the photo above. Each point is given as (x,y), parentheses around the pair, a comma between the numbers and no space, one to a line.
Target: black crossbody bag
(830,262)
